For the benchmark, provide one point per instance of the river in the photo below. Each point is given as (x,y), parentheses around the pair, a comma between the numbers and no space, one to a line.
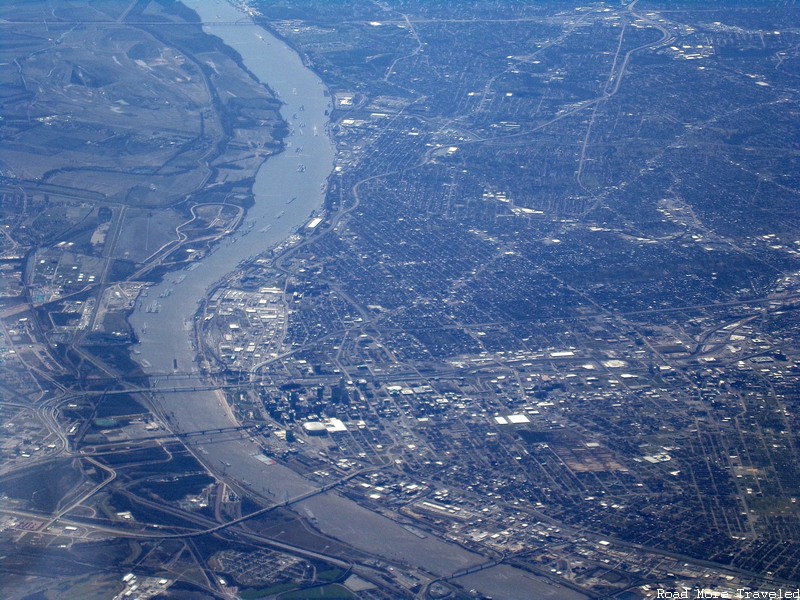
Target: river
(269,221)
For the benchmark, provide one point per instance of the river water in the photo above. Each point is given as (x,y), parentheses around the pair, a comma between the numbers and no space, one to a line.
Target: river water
(271,219)
(169,332)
